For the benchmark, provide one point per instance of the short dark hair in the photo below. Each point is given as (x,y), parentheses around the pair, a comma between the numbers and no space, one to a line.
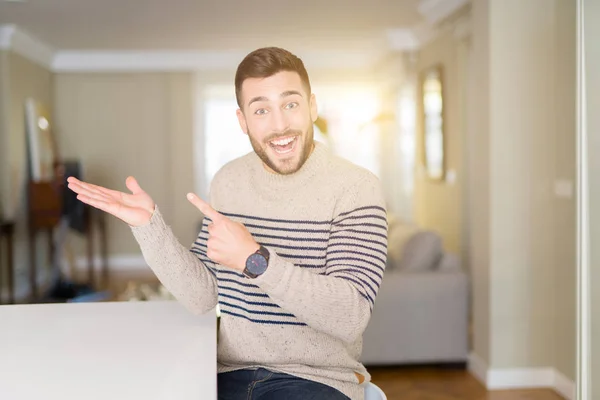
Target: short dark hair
(265,62)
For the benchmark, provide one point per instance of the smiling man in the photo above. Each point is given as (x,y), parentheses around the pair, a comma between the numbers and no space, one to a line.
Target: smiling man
(292,249)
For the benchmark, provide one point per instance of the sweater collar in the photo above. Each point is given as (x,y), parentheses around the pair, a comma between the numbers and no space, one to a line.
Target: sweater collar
(270,180)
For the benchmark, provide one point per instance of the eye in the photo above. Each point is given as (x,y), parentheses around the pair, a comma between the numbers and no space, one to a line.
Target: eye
(291,105)
(260,111)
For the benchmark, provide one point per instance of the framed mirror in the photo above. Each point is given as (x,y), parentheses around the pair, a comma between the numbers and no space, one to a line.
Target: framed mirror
(40,140)
(432,122)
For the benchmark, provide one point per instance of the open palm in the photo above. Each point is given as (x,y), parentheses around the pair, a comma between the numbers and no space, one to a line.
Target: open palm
(135,209)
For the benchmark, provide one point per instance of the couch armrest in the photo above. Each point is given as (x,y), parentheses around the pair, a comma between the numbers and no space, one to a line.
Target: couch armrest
(419,317)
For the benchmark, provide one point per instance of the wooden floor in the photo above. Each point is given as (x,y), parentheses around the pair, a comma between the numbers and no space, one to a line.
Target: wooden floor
(404,383)
(431,383)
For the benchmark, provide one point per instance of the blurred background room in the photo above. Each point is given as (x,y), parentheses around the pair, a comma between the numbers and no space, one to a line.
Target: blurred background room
(465,109)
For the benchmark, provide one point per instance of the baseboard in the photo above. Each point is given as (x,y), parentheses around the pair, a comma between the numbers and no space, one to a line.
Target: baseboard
(564,386)
(520,378)
(478,367)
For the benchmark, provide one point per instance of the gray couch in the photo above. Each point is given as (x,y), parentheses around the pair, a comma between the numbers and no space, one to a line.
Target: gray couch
(421,312)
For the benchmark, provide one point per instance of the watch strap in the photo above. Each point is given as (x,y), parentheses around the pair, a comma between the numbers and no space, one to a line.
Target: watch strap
(263,252)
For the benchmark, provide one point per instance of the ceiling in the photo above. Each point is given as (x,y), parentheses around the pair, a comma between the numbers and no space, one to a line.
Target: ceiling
(211,34)
(208,24)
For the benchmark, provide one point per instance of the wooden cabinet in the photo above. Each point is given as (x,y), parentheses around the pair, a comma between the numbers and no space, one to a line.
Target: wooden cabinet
(45,210)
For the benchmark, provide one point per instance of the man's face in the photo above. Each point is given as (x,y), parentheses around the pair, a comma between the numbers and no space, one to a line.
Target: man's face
(278,115)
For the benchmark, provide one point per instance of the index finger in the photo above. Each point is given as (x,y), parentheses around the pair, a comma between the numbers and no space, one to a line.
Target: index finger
(204,207)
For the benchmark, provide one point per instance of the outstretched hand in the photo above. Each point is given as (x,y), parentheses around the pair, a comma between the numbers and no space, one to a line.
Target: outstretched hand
(229,242)
(135,209)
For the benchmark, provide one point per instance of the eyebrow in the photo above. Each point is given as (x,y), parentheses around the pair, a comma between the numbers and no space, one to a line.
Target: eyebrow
(282,95)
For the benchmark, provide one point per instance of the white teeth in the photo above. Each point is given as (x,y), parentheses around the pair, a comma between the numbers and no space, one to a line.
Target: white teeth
(282,142)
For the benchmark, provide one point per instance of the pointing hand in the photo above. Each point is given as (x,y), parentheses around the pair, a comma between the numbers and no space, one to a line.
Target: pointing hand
(229,242)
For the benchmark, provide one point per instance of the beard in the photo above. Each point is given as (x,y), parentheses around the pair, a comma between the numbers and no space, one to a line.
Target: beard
(290,165)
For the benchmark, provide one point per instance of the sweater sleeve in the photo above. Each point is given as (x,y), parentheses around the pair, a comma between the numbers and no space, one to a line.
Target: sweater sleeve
(340,301)
(184,275)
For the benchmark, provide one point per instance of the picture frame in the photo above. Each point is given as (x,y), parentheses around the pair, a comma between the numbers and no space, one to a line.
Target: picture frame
(432,109)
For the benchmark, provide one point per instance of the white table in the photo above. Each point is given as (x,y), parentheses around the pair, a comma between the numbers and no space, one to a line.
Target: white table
(119,350)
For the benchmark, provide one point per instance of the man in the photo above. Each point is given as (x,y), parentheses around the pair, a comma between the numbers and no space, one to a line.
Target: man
(292,249)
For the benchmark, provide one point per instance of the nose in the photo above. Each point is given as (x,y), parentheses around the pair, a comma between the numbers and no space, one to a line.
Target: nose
(280,121)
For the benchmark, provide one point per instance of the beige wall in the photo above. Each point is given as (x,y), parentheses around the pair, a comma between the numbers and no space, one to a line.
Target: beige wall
(438,205)
(522,236)
(522,143)
(592,86)
(132,124)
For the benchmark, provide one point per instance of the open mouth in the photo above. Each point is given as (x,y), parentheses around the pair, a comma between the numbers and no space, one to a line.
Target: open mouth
(284,145)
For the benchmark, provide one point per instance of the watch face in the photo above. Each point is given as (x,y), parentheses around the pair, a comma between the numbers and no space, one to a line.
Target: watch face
(256,264)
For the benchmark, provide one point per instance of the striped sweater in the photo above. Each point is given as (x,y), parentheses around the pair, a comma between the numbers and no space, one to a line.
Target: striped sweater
(326,230)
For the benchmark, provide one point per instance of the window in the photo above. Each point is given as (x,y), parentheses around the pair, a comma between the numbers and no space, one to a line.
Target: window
(224,138)
(349,112)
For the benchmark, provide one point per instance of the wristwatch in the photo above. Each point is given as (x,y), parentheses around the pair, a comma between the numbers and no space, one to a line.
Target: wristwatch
(257,263)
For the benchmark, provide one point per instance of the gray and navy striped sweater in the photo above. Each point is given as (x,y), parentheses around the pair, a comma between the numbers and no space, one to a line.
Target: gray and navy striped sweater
(326,229)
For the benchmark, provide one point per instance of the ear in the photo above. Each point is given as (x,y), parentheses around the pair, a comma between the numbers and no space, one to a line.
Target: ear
(242,120)
(314,113)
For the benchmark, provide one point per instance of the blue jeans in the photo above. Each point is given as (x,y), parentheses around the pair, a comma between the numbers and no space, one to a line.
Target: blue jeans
(262,384)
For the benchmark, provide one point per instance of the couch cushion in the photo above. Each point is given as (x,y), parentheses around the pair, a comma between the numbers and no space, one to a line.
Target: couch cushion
(422,251)
(399,233)
(449,263)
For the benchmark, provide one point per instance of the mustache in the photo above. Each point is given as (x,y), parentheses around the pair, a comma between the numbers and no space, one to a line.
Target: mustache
(289,132)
